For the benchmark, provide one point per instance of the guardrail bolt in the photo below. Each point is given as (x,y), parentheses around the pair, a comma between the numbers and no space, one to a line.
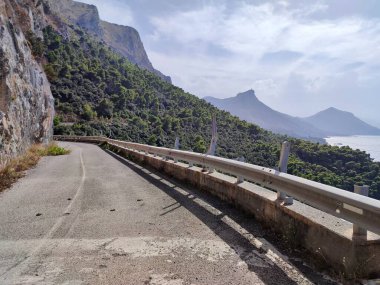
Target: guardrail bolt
(357,231)
(283,167)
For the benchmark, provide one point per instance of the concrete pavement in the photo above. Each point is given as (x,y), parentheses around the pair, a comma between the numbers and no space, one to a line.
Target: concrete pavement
(93,218)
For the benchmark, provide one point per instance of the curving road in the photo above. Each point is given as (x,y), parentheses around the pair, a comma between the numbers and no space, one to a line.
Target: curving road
(94,218)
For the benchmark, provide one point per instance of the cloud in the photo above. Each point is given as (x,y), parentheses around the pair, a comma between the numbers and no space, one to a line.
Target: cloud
(299,57)
(274,43)
(282,56)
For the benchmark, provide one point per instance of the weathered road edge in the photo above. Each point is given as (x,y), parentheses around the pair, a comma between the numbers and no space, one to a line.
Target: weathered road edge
(327,238)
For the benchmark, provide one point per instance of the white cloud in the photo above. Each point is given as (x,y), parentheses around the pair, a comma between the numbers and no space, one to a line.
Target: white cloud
(300,57)
(328,51)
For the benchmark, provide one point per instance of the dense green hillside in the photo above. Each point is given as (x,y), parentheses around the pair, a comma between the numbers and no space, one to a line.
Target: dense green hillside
(103,93)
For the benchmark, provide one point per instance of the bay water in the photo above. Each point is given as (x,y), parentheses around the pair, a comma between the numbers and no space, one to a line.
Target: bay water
(370,144)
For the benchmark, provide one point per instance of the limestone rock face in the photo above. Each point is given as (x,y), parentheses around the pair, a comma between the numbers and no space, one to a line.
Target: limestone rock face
(26,102)
(123,39)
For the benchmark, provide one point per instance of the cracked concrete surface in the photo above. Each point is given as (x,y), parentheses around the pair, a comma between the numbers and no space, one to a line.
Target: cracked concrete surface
(109,221)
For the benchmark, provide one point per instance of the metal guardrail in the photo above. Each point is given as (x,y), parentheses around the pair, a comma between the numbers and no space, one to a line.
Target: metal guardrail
(355,208)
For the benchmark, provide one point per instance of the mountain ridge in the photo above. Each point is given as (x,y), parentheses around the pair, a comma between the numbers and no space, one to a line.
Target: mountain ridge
(123,39)
(328,122)
(335,122)
(253,110)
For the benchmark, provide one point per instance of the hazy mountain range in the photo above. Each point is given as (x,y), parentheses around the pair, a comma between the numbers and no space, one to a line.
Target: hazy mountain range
(330,122)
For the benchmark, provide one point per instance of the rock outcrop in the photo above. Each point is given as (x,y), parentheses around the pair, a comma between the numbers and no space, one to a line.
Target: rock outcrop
(123,39)
(26,102)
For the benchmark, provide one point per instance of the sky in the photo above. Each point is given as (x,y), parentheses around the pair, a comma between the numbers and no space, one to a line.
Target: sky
(300,57)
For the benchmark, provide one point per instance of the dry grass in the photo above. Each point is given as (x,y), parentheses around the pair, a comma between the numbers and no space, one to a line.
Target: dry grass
(16,168)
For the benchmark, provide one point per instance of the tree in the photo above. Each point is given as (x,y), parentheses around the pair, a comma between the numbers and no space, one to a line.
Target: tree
(50,72)
(56,121)
(88,112)
(36,43)
(199,145)
(105,108)
(152,140)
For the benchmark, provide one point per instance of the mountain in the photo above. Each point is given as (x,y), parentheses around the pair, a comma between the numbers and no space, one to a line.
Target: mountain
(123,39)
(330,122)
(99,91)
(335,122)
(248,107)
(104,93)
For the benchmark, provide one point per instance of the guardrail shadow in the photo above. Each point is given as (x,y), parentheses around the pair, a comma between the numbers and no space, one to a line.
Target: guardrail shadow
(235,228)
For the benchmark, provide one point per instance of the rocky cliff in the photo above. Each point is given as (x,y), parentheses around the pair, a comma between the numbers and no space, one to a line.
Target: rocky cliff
(123,39)
(26,102)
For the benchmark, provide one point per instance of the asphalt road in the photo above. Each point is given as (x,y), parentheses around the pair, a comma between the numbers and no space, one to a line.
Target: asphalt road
(92,218)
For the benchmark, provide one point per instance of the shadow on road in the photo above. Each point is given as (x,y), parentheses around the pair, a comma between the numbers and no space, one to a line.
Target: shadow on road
(237,229)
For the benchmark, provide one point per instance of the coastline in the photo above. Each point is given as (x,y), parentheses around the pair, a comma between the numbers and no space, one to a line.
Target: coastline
(368,143)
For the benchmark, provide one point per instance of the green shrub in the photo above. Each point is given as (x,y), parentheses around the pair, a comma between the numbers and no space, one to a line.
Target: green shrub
(54,150)
(88,112)
(56,121)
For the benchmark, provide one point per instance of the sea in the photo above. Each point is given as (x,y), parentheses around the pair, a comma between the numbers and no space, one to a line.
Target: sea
(370,144)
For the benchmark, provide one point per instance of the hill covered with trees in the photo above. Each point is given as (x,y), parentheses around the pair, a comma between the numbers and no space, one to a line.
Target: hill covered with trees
(101,92)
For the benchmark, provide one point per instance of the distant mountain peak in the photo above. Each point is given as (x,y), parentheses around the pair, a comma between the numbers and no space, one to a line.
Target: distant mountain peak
(240,97)
(247,95)
(334,110)
(337,122)
(248,107)
(249,92)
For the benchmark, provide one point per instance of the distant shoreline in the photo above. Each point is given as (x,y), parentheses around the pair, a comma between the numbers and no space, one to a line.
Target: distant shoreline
(367,143)
(351,136)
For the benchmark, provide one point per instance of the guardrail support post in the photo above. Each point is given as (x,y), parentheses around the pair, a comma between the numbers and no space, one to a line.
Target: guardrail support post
(357,231)
(240,179)
(214,139)
(283,167)
(176,146)
(191,164)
